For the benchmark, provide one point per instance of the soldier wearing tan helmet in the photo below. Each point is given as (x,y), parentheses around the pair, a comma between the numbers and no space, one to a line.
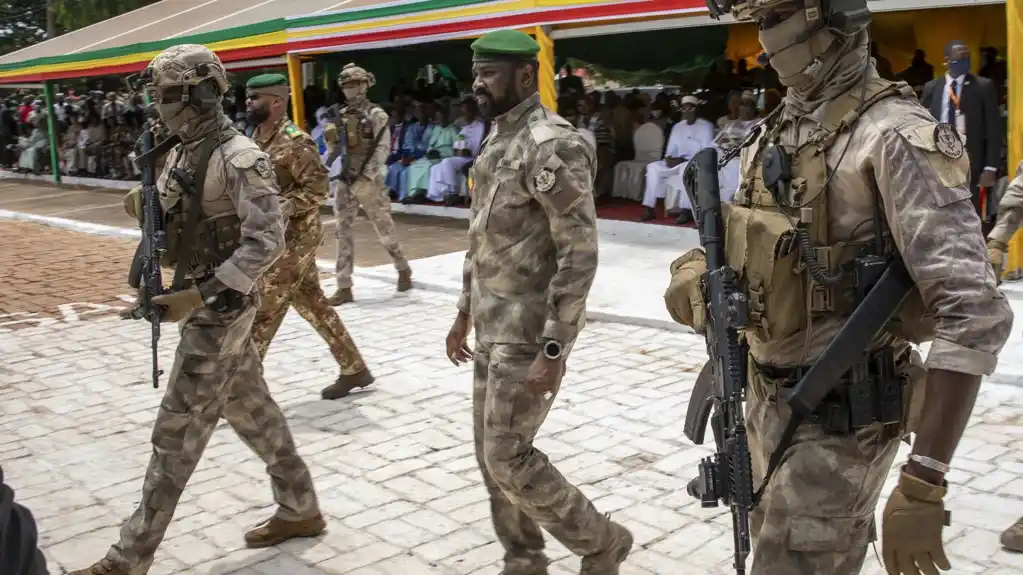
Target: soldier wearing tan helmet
(357,167)
(850,170)
(216,372)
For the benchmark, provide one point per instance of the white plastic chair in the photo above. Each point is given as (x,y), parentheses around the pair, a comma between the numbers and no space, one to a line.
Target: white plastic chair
(648,142)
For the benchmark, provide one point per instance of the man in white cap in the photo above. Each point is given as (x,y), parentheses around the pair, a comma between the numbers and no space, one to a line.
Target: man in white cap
(689,136)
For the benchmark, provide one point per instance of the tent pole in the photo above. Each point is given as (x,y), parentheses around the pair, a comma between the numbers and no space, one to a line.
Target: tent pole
(295,81)
(51,128)
(548,93)
(1014,22)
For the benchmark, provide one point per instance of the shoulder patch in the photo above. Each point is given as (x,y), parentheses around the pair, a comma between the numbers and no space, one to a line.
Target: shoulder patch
(544,180)
(293,131)
(947,141)
(263,168)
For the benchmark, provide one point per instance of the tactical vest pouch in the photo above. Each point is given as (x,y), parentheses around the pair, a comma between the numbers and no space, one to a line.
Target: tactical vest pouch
(218,238)
(174,225)
(758,248)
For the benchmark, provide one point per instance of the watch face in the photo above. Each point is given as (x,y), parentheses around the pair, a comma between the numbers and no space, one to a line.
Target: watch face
(552,349)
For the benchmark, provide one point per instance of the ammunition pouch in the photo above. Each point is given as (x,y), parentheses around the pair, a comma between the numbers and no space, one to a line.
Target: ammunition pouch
(215,239)
(873,391)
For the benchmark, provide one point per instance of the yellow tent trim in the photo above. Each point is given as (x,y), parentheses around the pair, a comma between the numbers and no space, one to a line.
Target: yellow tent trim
(411,20)
(235,44)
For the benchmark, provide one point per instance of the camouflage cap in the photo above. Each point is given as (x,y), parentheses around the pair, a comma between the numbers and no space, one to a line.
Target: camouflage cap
(353,73)
(186,65)
(505,44)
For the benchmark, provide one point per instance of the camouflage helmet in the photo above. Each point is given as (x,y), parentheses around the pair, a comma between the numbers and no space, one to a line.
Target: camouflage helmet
(185,65)
(353,73)
(744,9)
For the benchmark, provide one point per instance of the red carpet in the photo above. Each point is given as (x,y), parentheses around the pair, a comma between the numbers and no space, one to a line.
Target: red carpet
(630,211)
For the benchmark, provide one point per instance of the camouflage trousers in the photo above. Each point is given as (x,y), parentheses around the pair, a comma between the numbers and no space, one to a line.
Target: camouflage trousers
(216,374)
(372,196)
(817,515)
(526,491)
(294,281)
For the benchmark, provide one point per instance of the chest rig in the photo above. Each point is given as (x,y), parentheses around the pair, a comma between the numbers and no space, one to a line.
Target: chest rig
(777,230)
(201,240)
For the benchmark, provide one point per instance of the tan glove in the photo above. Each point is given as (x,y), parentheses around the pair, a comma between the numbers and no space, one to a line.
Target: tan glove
(133,202)
(996,255)
(179,304)
(911,531)
(683,297)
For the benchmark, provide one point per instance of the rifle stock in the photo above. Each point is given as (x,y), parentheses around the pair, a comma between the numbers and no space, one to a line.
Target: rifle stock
(727,476)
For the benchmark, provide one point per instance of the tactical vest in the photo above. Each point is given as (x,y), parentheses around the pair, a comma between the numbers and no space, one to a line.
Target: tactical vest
(792,269)
(217,231)
(360,135)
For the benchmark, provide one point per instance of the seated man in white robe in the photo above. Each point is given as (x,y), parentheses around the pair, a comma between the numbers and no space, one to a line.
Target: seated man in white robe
(687,137)
(445,177)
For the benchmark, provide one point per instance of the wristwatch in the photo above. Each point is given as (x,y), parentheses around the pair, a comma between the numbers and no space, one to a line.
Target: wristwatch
(552,349)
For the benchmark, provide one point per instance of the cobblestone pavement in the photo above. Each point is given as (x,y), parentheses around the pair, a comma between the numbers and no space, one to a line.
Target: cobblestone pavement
(393,465)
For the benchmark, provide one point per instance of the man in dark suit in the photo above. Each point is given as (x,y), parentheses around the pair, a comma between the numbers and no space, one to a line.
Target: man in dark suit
(970,104)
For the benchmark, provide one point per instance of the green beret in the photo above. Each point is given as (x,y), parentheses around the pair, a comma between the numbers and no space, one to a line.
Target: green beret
(267,81)
(505,44)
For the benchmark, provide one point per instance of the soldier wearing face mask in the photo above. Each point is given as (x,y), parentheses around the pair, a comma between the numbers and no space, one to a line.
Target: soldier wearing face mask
(872,174)
(360,182)
(220,242)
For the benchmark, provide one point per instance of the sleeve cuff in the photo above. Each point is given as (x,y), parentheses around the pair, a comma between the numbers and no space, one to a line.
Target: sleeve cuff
(234,278)
(954,357)
(463,304)
(561,332)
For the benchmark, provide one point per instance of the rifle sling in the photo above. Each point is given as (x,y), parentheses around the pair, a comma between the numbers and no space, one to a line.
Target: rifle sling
(157,151)
(372,150)
(194,212)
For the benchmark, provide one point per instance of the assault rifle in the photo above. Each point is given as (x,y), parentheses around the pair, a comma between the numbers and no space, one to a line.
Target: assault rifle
(882,285)
(727,476)
(145,275)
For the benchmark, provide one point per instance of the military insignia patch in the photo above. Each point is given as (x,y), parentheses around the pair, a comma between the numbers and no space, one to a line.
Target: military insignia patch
(293,131)
(263,168)
(946,139)
(544,180)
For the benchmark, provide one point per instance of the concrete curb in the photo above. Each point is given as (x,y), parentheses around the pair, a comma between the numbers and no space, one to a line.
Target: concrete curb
(325,266)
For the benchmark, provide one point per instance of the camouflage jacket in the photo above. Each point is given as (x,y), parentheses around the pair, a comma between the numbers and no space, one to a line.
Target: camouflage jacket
(1010,210)
(301,175)
(533,236)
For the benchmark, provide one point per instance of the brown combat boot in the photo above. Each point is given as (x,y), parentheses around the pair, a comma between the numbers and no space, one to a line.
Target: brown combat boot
(342,295)
(606,562)
(102,567)
(275,531)
(405,280)
(529,565)
(346,383)
(1012,538)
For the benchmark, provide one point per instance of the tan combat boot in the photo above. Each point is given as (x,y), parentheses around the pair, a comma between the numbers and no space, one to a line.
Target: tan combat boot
(102,567)
(342,295)
(606,562)
(275,531)
(405,280)
(1012,538)
(346,383)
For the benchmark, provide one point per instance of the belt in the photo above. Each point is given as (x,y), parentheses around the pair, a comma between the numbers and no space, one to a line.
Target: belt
(870,392)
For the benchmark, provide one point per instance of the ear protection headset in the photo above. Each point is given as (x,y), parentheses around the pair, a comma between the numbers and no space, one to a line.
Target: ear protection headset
(846,16)
(205,95)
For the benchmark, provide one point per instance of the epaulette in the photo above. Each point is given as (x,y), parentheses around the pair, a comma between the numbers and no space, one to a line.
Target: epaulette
(293,131)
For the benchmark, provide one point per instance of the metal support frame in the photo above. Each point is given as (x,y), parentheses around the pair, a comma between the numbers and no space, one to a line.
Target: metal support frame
(51,127)
(295,81)
(547,71)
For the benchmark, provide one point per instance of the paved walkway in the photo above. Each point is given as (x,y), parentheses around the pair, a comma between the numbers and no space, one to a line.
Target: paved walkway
(393,465)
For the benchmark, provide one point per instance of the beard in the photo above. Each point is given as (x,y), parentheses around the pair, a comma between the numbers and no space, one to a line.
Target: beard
(491,107)
(257,116)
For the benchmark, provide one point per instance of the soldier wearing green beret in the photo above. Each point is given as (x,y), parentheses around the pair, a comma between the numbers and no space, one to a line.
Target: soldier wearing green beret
(532,258)
(294,280)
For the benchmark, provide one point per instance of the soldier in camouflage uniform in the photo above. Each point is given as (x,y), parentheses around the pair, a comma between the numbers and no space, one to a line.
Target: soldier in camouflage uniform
(216,370)
(294,279)
(531,261)
(1010,218)
(369,143)
(872,175)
